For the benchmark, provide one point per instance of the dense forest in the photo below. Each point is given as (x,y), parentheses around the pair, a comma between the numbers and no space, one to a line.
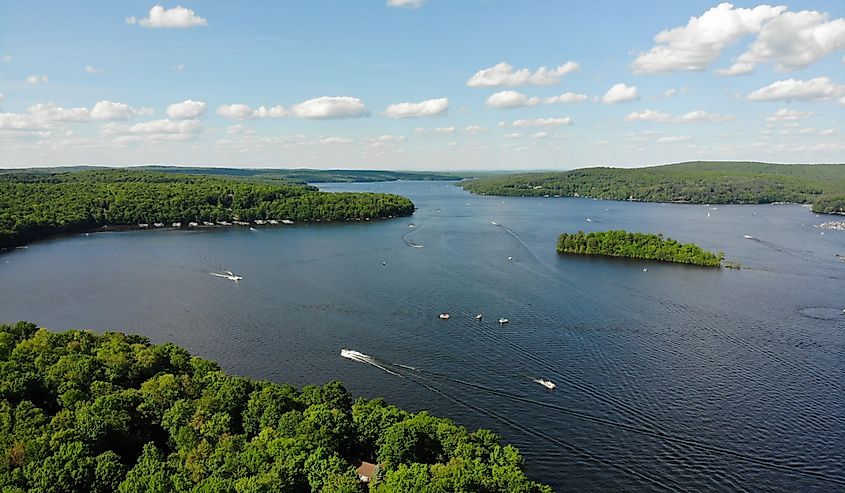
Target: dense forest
(693,182)
(314,175)
(636,245)
(81,412)
(830,204)
(34,205)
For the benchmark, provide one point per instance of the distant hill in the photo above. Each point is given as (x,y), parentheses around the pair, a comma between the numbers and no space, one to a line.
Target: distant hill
(698,182)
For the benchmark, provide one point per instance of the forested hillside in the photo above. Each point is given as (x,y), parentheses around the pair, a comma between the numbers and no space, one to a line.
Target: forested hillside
(34,205)
(81,412)
(694,182)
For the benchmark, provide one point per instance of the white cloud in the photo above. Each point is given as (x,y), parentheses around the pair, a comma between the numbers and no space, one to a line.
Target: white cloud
(540,135)
(177,17)
(738,68)
(474,129)
(336,140)
(430,107)
(42,116)
(818,89)
(788,115)
(620,93)
(90,69)
(829,131)
(543,122)
(444,130)
(503,75)
(673,139)
(795,40)
(108,110)
(701,116)
(37,79)
(668,93)
(511,99)
(698,44)
(389,138)
(178,67)
(152,131)
(6,58)
(698,116)
(514,135)
(2,96)
(328,107)
(408,4)
(244,112)
(186,110)
(567,97)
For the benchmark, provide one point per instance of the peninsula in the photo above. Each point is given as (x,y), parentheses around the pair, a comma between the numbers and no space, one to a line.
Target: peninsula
(38,204)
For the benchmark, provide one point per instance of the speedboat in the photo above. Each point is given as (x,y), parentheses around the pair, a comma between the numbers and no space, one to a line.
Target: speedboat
(748,237)
(545,383)
(479,316)
(503,321)
(444,316)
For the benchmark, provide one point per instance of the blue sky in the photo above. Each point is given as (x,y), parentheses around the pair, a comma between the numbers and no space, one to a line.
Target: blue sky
(324,84)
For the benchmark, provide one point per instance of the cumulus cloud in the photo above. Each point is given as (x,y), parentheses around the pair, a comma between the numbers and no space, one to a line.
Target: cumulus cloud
(186,110)
(620,93)
(698,116)
(407,4)
(42,116)
(513,135)
(788,115)
(90,69)
(540,135)
(330,107)
(503,75)
(511,99)
(818,89)
(430,107)
(567,97)
(543,122)
(37,79)
(827,132)
(177,17)
(244,112)
(738,68)
(794,40)
(108,110)
(474,129)
(668,93)
(698,44)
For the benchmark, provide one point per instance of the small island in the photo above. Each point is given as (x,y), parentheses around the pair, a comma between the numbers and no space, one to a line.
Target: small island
(621,243)
(108,412)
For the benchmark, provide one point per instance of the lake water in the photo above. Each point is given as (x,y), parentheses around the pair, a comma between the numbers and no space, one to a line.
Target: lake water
(671,379)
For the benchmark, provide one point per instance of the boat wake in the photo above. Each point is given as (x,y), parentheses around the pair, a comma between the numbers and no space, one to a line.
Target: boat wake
(366,359)
(227,275)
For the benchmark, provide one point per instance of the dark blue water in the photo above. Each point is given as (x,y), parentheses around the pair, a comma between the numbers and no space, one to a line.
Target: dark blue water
(675,379)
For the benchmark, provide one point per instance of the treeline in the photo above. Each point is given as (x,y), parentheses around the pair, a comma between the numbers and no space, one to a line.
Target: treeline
(637,245)
(829,205)
(34,205)
(694,182)
(113,412)
(313,175)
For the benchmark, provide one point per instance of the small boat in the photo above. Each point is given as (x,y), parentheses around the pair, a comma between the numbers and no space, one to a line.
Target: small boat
(545,383)
(494,223)
(510,258)
(412,225)
(252,229)
(589,220)
(645,270)
(479,316)
(748,237)
(227,275)
(383,262)
(444,316)
(503,321)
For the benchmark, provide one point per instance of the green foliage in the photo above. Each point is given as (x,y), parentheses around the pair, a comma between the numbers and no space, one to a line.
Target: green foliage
(113,412)
(693,182)
(636,245)
(829,204)
(35,205)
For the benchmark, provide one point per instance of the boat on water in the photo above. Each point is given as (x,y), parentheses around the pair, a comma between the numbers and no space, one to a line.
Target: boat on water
(589,220)
(748,237)
(227,274)
(494,223)
(252,229)
(479,316)
(503,321)
(383,262)
(510,258)
(645,269)
(545,383)
(444,316)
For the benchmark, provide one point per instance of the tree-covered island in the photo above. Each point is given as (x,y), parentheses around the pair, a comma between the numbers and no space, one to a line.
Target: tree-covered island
(81,412)
(35,205)
(700,182)
(621,243)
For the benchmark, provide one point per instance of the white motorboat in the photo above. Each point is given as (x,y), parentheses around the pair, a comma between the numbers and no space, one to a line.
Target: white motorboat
(545,383)
(444,316)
